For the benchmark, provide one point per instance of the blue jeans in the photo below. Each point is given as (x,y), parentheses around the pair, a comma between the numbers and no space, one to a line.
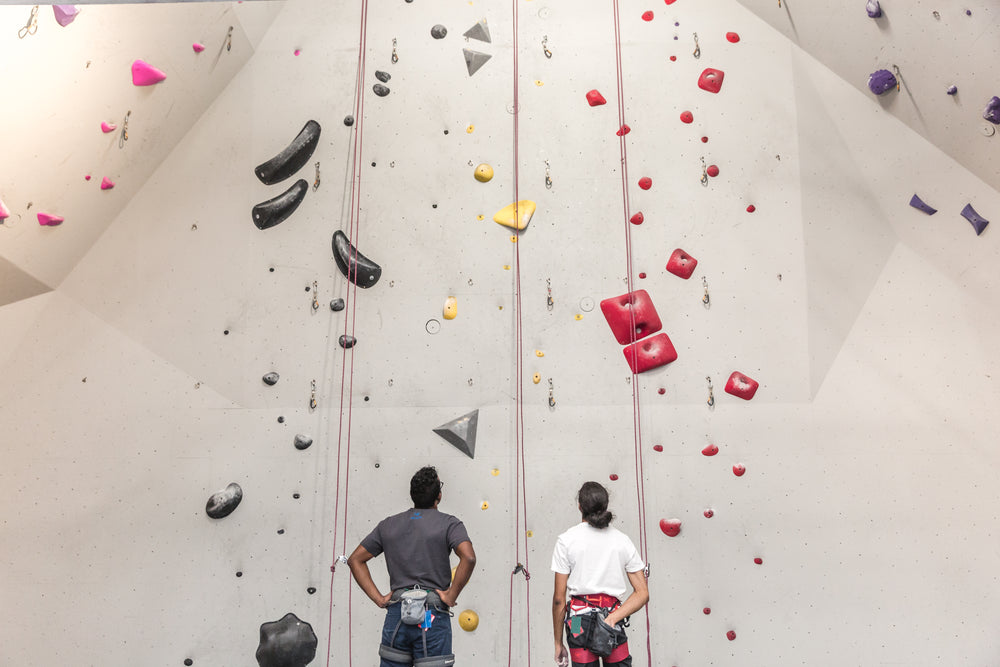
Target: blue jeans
(411,637)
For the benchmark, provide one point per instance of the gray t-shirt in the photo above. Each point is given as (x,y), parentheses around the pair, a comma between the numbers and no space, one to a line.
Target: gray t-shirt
(417,544)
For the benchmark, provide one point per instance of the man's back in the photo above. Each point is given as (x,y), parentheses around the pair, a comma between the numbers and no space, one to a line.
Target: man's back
(417,544)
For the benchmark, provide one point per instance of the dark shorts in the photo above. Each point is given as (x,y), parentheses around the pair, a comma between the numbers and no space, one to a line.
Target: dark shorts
(411,637)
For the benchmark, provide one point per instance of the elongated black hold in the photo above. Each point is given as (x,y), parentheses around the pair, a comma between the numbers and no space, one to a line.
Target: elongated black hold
(274,211)
(356,267)
(290,160)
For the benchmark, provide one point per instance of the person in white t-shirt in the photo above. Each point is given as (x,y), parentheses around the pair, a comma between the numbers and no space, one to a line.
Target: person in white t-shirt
(592,561)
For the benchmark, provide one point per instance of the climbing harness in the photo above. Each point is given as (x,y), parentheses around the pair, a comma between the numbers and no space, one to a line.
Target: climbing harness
(416,607)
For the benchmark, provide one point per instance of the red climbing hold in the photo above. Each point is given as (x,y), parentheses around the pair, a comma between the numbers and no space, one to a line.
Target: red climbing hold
(657,448)
(709,514)
(670,2)
(704,140)
(647,16)
(613,477)
(687,117)
(758,561)
(673,59)
(642,275)
(711,80)
(711,450)
(661,391)
(741,386)
(645,182)
(739,469)
(623,130)
(650,353)
(712,170)
(681,264)
(634,309)
(751,208)
(596,99)
(670,527)
(637,218)
(706,611)
(733,37)
(731,635)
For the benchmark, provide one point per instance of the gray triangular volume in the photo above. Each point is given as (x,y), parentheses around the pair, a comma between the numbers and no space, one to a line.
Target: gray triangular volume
(474,60)
(461,432)
(480,31)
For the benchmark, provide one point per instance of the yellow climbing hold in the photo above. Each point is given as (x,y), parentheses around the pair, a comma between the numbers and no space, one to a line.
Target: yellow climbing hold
(471,128)
(530,533)
(495,472)
(506,267)
(480,217)
(484,173)
(536,378)
(539,82)
(450,309)
(578,317)
(539,353)
(513,238)
(506,215)
(469,620)
(484,506)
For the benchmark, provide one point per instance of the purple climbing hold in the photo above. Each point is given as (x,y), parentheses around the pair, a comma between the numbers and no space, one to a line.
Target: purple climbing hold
(874,9)
(917,203)
(977,221)
(992,111)
(881,81)
(65,14)
(952,90)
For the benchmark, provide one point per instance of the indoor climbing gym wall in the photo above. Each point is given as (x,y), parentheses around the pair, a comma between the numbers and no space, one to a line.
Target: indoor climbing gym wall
(261,261)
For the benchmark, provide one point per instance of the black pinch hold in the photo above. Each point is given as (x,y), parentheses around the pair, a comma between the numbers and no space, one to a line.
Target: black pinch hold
(382,76)
(290,160)
(337,305)
(347,342)
(275,211)
(289,642)
(222,503)
(357,268)
(380,90)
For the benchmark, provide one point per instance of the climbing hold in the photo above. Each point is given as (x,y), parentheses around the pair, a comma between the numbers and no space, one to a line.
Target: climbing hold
(681,264)
(336,305)
(382,76)
(739,469)
(536,378)
(302,441)
(952,90)
(647,16)
(539,353)
(107,183)
(917,203)
(439,31)
(495,472)
(47,220)
(297,52)
(706,611)
(733,37)
(704,140)
(357,268)
(270,379)
(711,80)
(613,477)
(977,221)
(645,182)
(450,309)
(346,341)
(506,215)
(65,14)
(687,117)
(874,9)
(222,503)
(86,177)
(881,81)
(670,527)
(484,173)
(673,59)
(657,448)
(380,90)
(670,2)
(197,48)
(741,385)
(311,590)
(348,120)
(758,561)
(461,432)
(275,211)
(144,74)
(712,170)
(623,130)
(710,450)
(650,353)
(485,506)
(637,219)
(468,620)
(731,635)
(578,317)
(474,60)
(751,208)
(188,662)
(470,129)
(992,111)
(595,99)
(709,513)
(289,642)
(4,212)
(292,158)
(108,127)
(632,309)
(479,31)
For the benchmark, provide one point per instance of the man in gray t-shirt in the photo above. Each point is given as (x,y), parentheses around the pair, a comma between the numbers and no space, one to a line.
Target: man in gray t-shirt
(417,545)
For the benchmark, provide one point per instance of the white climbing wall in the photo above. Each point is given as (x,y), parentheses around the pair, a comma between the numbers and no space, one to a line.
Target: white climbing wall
(133,387)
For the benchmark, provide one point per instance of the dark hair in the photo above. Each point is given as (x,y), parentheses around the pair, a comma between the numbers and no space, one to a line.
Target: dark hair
(425,487)
(593,500)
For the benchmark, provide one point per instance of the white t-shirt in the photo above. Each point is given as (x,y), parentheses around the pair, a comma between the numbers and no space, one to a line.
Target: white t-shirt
(596,560)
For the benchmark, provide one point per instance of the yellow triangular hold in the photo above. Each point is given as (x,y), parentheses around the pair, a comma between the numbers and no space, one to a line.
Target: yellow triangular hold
(505,216)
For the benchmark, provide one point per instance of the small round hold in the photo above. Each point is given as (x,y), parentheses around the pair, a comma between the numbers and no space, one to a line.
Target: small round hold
(302,441)
(704,140)
(645,182)
(739,469)
(687,117)
(484,506)
(578,317)
(348,120)
(673,59)
(712,170)
(271,270)
(758,561)
(468,620)
(380,90)
(657,448)
(296,496)
(706,611)
(222,503)
(226,332)
(733,37)
(311,591)
(270,379)
(613,477)
(536,378)
(281,420)
(337,305)
(382,76)
(495,472)
(378,465)
(446,132)
(483,173)
(642,275)
(751,208)
(439,31)
(238,574)
(730,635)
(308,288)
(661,391)
(709,513)
(647,16)
(281,531)
(347,342)
(367,398)
(952,90)
(188,662)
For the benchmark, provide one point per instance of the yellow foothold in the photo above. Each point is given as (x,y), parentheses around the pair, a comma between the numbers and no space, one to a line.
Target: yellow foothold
(506,267)
(539,82)
(484,506)
(484,173)
(513,238)
(578,317)
(470,129)
(499,307)
(480,217)
(495,472)
(539,353)
(536,378)
(530,533)
(469,620)
(450,308)
(506,215)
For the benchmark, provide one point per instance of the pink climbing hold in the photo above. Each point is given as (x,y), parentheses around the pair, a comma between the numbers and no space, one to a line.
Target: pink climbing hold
(623,130)
(107,127)
(634,309)
(739,469)
(4,212)
(645,182)
(711,80)
(65,14)
(712,170)
(657,448)
(198,47)
(86,177)
(595,99)
(107,183)
(297,51)
(711,450)
(637,218)
(144,74)
(709,513)
(647,16)
(681,264)
(731,635)
(733,37)
(613,477)
(650,353)
(46,220)
(741,386)
(687,117)
(670,527)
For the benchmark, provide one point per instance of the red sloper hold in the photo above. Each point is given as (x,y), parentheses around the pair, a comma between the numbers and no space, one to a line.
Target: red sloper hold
(628,310)
(650,353)
(711,450)
(711,80)
(645,182)
(647,16)
(687,117)
(595,99)
(637,218)
(681,264)
(741,386)
(670,527)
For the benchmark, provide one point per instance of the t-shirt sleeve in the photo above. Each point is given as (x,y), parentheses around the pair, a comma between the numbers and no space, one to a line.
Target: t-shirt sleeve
(373,542)
(457,533)
(560,557)
(633,561)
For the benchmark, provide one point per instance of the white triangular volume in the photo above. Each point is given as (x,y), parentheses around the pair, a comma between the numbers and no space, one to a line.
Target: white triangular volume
(479,31)
(474,60)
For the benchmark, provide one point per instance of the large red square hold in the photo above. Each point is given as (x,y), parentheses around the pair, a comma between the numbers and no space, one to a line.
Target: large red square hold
(681,264)
(711,80)
(741,385)
(651,353)
(628,310)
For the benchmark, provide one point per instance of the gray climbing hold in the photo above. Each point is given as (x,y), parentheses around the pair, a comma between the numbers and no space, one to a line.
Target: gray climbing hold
(337,305)
(382,76)
(289,642)
(222,503)
(881,81)
(977,221)
(302,441)
(474,60)
(380,90)
(874,9)
(917,203)
(275,211)
(461,433)
(357,268)
(348,120)
(292,158)
(347,342)
(992,111)
(271,379)
(479,31)
(439,31)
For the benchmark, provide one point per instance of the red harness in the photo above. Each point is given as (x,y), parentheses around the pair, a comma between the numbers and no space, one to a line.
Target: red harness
(579,603)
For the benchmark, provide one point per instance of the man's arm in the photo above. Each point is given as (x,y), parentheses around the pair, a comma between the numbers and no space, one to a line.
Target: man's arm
(466,564)
(559,616)
(636,601)
(358,562)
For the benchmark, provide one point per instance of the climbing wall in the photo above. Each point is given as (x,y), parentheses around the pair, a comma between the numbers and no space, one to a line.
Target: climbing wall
(215,395)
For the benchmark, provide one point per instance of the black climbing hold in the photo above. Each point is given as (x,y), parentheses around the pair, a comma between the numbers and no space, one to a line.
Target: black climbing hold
(296,496)
(222,503)
(356,267)
(189,662)
(377,465)
(275,211)
(311,590)
(348,120)
(271,269)
(439,31)
(289,642)
(281,420)
(382,76)
(270,379)
(226,332)
(337,305)
(281,531)
(308,288)
(461,432)
(290,160)
(373,164)
(367,398)
(434,205)
(302,441)
(347,342)
(380,90)
(238,574)
(446,131)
